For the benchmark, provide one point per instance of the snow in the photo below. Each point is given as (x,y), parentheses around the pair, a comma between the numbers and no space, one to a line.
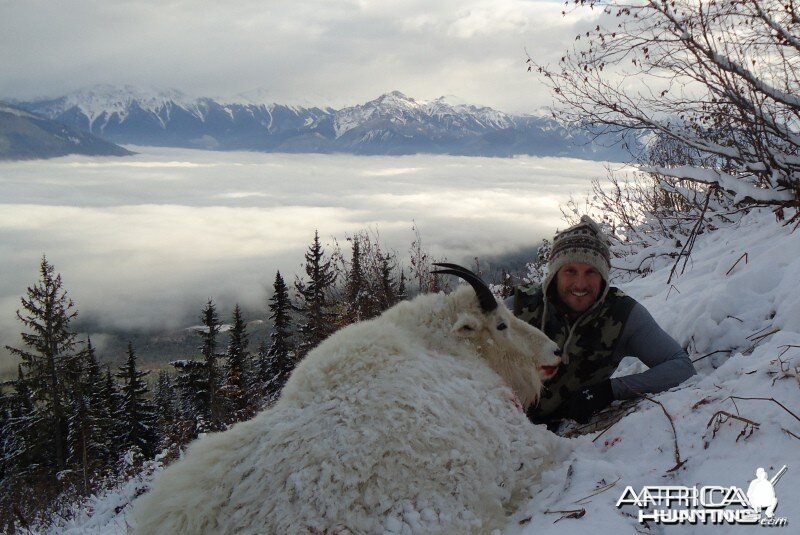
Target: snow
(747,306)
(718,304)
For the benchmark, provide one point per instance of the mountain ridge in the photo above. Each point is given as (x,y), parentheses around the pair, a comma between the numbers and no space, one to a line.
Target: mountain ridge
(25,135)
(391,124)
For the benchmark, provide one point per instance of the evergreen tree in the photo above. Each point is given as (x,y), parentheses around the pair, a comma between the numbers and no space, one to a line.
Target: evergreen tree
(190,385)
(235,391)
(211,403)
(359,301)
(88,439)
(277,361)
(402,293)
(22,448)
(166,405)
(108,415)
(313,293)
(49,349)
(137,414)
(389,291)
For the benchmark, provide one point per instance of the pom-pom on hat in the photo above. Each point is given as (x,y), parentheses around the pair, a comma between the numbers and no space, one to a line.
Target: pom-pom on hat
(584,242)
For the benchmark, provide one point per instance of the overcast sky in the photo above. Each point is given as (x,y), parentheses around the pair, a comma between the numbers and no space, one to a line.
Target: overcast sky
(322,52)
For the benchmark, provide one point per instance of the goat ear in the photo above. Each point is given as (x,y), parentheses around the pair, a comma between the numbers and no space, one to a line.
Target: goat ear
(466,326)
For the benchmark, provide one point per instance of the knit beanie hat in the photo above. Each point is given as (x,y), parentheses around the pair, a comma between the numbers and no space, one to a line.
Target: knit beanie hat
(584,242)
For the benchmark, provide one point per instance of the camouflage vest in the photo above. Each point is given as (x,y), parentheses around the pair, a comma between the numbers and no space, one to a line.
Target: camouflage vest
(591,344)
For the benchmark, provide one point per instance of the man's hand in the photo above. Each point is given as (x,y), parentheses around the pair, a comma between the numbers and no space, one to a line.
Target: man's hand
(589,400)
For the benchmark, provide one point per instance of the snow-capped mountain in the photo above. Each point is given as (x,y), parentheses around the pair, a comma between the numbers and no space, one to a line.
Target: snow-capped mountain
(25,135)
(390,124)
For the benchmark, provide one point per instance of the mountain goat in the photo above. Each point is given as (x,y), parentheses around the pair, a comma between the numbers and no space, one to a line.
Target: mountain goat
(411,422)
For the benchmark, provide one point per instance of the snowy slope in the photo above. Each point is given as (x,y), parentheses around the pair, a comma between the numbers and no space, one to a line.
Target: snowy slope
(711,307)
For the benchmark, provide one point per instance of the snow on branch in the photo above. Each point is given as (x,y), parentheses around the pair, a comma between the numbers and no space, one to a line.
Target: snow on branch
(743,190)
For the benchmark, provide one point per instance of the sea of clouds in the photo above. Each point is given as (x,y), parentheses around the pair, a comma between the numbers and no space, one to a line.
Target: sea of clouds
(143,241)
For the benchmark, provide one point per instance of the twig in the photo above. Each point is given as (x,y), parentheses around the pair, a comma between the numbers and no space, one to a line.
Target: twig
(767,399)
(734,264)
(761,337)
(789,433)
(572,513)
(671,287)
(713,353)
(598,491)
(758,332)
(786,348)
(678,461)
(687,249)
(720,417)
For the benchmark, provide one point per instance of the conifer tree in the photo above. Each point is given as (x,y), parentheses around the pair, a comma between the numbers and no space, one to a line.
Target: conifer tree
(49,348)
(99,444)
(166,406)
(22,448)
(389,291)
(137,414)
(313,296)
(235,391)
(190,386)
(80,425)
(359,302)
(211,404)
(108,415)
(88,439)
(277,361)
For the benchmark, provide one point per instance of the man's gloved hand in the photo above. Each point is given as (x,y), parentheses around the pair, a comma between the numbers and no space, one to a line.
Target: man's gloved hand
(589,400)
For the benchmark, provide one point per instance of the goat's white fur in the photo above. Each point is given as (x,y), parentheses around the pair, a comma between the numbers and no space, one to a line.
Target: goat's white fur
(404,423)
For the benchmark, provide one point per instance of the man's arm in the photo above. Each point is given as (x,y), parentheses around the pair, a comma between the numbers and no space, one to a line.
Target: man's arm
(644,339)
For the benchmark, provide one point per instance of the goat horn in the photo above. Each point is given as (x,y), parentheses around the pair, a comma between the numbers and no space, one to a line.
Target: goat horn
(485,298)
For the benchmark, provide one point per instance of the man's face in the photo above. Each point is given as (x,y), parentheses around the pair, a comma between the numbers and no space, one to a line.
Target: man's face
(578,285)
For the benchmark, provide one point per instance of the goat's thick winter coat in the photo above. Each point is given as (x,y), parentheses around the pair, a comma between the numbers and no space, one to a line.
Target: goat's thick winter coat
(407,423)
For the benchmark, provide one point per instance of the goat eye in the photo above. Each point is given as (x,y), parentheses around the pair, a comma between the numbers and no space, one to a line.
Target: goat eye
(502,327)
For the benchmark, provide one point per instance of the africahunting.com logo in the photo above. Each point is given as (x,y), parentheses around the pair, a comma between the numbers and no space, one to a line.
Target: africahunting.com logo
(709,504)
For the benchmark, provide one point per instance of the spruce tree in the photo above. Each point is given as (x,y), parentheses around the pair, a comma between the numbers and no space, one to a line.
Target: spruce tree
(211,404)
(109,416)
(50,347)
(388,290)
(166,405)
(22,448)
(235,391)
(359,302)
(277,361)
(137,414)
(88,439)
(190,385)
(313,293)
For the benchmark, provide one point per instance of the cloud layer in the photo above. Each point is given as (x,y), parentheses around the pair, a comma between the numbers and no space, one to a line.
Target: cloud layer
(142,240)
(330,52)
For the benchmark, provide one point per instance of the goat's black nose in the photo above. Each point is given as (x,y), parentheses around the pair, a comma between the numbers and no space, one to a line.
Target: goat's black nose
(557,352)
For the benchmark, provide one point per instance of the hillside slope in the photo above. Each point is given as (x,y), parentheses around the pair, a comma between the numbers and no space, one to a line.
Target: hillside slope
(740,319)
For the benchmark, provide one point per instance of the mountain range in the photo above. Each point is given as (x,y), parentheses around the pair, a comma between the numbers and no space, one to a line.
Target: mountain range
(24,135)
(391,124)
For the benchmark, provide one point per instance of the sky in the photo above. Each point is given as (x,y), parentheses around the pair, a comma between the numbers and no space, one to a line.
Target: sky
(322,52)
(142,242)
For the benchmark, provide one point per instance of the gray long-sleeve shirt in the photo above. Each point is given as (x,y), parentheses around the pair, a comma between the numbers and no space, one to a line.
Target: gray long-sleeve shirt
(669,365)
(644,339)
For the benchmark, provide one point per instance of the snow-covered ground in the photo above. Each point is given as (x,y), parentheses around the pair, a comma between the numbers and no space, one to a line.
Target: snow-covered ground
(748,309)
(713,306)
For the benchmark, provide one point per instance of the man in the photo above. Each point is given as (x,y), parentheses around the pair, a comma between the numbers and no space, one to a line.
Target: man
(595,325)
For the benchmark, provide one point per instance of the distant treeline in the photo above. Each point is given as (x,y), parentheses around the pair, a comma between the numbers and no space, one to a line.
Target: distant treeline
(70,425)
